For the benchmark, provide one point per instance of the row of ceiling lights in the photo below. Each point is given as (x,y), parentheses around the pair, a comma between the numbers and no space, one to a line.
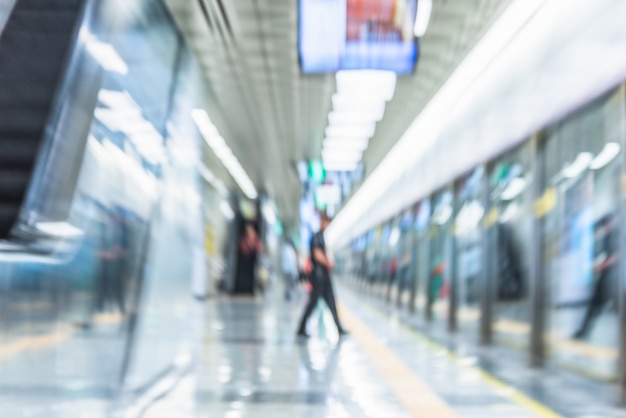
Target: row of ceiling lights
(218,145)
(358,105)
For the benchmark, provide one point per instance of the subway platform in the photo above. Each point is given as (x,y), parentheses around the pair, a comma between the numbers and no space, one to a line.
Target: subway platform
(252,365)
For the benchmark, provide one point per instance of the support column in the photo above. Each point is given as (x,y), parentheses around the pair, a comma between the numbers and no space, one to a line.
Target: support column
(488,263)
(621,222)
(536,277)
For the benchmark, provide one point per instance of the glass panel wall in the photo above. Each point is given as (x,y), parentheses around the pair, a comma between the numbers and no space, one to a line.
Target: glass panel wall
(468,241)
(420,264)
(439,250)
(581,238)
(509,240)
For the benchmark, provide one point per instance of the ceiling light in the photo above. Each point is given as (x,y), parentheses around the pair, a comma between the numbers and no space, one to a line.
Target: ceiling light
(348,145)
(223,152)
(377,84)
(608,154)
(580,164)
(348,131)
(355,142)
(358,104)
(515,187)
(340,166)
(424,10)
(337,154)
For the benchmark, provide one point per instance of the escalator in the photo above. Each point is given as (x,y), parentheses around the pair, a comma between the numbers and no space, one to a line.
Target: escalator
(35,45)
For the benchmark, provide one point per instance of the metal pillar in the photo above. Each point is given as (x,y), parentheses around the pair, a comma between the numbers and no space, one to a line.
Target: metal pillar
(453,270)
(536,277)
(488,263)
(416,265)
(621,222)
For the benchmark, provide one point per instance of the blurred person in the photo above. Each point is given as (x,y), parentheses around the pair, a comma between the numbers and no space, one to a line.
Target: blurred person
(249,250)
(605,264)
(405,267)
(289,260)
(393,273)
(436,281)
(114,266)
(321,285)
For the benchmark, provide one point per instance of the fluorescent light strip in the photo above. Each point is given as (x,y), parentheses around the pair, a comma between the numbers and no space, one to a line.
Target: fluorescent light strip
(223,152)
(428,124)
(350,155)
(514,189)
(340,118)
(608,154)
(357,131)
(424,10)
(377,84)
(358,105)
(580,164)
(345,146)
(353,142)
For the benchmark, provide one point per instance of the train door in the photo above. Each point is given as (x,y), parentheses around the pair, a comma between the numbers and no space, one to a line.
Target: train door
(467,280)
(581,238)
(508,226)
(439,249)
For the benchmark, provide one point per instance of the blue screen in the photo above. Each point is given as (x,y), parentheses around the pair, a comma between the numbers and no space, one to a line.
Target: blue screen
(357,34)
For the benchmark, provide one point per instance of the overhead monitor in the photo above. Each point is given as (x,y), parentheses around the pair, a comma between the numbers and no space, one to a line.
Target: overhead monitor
(357,34)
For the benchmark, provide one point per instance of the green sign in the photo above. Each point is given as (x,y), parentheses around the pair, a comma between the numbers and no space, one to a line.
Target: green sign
(317,173)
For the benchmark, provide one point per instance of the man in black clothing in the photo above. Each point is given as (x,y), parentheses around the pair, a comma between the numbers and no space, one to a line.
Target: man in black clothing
(604,269)
(320,280)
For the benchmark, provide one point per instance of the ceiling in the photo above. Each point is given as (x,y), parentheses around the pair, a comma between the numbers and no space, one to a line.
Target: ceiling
(272,115)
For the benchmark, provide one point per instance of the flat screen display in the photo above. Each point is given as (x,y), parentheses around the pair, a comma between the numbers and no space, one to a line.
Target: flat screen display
(357,34)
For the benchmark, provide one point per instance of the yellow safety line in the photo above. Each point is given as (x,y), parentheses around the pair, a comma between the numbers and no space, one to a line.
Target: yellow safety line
(504,389)
(31,343)
(417,398)
(49,340)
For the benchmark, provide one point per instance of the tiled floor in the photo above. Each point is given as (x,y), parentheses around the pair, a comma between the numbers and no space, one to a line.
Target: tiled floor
(249,364)
(252,366)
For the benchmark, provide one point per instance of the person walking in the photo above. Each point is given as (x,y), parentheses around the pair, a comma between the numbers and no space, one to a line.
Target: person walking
(605,270)
(320,280)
